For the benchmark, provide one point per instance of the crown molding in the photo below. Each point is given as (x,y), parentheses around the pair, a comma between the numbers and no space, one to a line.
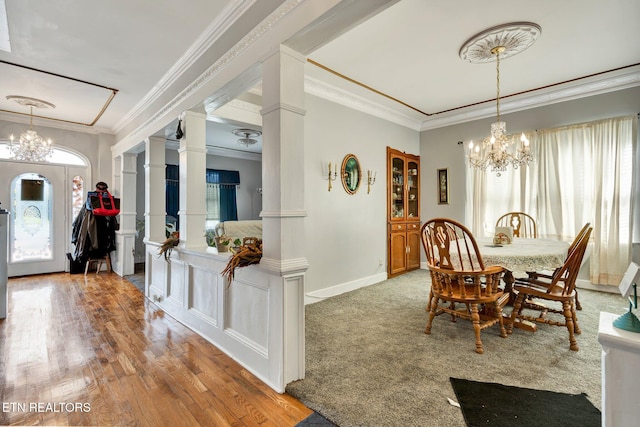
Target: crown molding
(339,96)
(610,82)
(172,144)
(211,72)
(52,124)
(238,154)
(214,31)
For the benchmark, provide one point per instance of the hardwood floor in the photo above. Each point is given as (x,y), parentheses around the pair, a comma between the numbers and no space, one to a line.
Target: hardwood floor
(91,350)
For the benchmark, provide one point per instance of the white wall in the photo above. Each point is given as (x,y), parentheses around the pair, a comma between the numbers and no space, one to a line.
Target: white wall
(439,148)
(346,234)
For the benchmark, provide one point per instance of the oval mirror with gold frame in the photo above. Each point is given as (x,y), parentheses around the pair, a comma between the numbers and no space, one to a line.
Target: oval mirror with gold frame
(351,173)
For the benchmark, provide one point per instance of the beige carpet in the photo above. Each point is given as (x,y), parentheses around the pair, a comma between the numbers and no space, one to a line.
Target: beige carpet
(369,363)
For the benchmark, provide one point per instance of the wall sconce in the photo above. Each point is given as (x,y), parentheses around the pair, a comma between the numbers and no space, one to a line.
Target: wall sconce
(371,179)
(333,174)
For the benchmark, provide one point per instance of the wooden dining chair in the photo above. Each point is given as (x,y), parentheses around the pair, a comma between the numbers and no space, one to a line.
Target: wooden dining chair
(558,288)
(573,246)
(523,224)
(461,285)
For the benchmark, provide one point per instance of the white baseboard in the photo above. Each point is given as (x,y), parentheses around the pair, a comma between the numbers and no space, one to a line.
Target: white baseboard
(316,296)
(586,284)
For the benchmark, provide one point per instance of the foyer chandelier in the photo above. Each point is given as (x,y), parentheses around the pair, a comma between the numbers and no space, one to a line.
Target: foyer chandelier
(247,135)
(500,150)
(30,146)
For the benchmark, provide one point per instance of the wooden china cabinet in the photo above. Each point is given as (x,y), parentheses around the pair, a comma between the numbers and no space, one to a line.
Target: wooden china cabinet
(403,212)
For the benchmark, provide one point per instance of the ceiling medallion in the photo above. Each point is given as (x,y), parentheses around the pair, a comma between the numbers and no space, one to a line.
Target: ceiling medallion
(247,135)
(513,37)
(499,150)
(30,146)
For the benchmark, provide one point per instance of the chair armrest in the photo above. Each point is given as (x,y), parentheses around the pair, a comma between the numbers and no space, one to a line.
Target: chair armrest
(536,275)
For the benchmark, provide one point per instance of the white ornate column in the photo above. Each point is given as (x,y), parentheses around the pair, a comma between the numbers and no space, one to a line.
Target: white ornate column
(193,164)
(124,260)
(154,198)
(620,364)
(283,209)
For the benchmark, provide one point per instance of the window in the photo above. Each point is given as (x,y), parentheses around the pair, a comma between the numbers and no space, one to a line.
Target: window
(213,205)
(32,226)
(220,203)
(77,196)
(582,173)
(226,183)
(59,155)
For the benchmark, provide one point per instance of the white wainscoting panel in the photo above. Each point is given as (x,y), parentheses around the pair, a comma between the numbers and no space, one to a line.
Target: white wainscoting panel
(248,319)
(247,313)
(177,286)
(203,294)
(156,275)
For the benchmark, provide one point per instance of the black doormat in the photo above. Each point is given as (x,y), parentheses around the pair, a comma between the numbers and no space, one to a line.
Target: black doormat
(315,420)
(492,404)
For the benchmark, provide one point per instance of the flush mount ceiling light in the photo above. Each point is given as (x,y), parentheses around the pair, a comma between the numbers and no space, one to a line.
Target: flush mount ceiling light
(30,147)
(247,136)
(499,150)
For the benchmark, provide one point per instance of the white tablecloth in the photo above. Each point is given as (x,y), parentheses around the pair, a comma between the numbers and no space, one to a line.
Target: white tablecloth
(524,254)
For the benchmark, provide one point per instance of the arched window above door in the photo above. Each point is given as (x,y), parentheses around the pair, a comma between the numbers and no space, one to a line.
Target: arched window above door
(59,155)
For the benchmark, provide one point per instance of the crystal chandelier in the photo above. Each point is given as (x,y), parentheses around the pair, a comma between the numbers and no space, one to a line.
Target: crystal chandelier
(248,134)
(500,150)
(30,146)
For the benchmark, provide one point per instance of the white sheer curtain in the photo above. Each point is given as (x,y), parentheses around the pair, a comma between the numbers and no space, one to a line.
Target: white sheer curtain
(212,201)
(582,173)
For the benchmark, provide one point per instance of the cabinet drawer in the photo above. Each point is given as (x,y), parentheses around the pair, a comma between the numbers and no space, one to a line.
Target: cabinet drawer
(397,227)
(413,226)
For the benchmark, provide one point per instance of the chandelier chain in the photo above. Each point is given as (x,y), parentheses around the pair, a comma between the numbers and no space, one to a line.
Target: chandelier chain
(499,149)
(498,85)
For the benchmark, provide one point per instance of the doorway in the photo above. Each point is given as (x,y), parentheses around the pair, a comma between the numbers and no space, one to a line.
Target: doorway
(39,198)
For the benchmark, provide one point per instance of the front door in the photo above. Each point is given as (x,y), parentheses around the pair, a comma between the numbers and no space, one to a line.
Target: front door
(37,199)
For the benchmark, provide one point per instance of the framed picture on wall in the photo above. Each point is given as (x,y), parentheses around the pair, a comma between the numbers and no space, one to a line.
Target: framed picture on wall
(443,187)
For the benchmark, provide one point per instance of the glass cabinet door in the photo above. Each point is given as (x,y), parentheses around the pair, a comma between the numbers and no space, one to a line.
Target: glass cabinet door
(413,189)
(397,188)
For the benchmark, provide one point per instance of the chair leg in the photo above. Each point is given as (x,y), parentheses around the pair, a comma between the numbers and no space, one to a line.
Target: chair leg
(576,328)
(428,307)
(498,311)
(517,308)
(475,317)
(86,268)
(432,313)
(578,305)
(568,315)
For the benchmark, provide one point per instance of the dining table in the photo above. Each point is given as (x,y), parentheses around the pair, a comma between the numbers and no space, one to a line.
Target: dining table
(523,255)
